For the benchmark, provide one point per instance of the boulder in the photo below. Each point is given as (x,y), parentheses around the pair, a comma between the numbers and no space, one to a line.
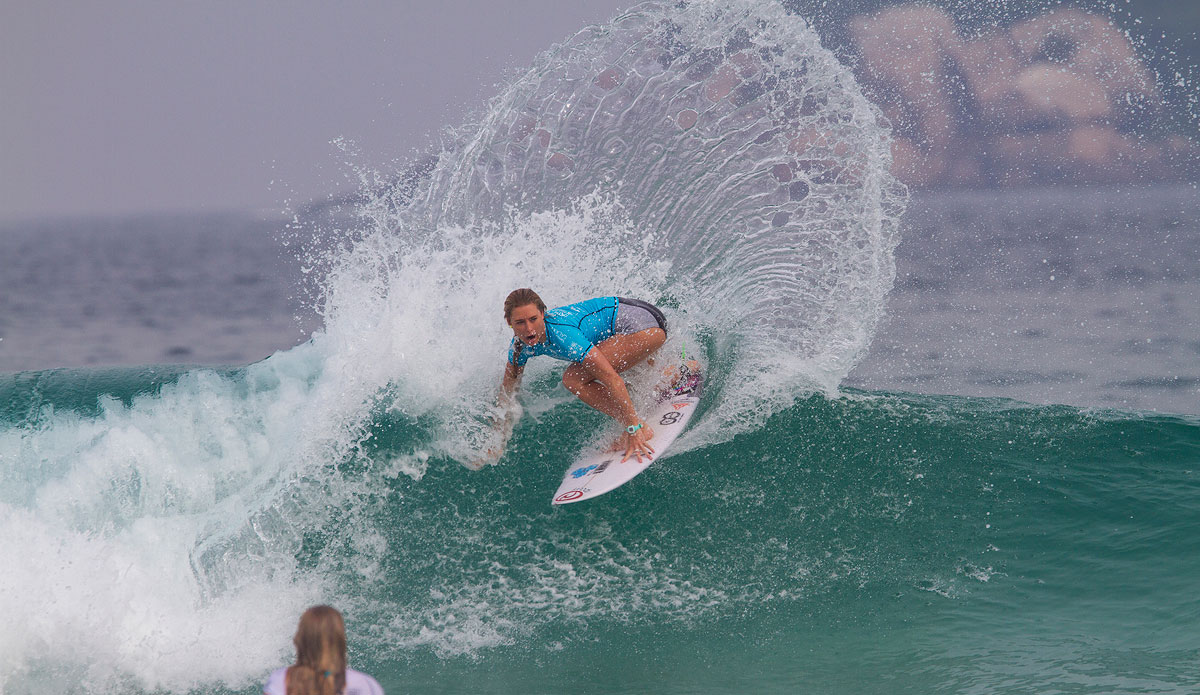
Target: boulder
(989,66)
(1060,97)
(1092,48)
(1055,94)
(903,53)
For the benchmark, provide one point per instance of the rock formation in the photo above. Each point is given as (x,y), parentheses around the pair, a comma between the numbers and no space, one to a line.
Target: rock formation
(1060,97)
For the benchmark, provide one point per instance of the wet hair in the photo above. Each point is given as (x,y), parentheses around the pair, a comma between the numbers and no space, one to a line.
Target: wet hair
(521,297)
(320,654)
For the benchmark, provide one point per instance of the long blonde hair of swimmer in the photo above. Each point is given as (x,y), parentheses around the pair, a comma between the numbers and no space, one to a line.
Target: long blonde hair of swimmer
(320,654)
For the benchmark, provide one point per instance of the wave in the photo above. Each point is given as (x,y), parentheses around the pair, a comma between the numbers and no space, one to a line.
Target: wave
(139,561)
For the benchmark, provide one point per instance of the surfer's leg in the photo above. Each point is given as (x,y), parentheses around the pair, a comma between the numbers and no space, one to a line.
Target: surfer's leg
(590,391)
(622,352)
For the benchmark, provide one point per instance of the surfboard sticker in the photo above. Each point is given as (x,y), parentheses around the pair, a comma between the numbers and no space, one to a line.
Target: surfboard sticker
(598,472)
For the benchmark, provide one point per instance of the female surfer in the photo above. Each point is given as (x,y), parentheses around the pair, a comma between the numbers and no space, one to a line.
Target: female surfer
(320,667)
(600,338)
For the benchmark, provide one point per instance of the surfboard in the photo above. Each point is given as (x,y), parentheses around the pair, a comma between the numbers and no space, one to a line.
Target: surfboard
(598,472)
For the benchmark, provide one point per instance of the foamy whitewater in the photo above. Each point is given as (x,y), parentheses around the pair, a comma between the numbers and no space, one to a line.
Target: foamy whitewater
(164,527)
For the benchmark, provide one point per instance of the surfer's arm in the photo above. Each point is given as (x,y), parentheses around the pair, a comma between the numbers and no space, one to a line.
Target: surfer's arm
(510,383)
(504,416)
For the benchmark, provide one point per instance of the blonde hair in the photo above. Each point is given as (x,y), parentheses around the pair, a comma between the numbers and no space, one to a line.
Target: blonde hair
(320,654)
(521,297)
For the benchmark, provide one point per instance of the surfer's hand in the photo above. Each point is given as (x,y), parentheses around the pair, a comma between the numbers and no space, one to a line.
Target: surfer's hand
(501,431)
(491,456)
(501,420)
(638,444)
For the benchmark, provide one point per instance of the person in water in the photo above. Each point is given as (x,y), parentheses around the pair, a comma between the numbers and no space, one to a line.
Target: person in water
(601,338)
(320,667)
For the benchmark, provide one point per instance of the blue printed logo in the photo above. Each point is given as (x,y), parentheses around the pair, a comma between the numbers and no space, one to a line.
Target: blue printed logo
(582,472)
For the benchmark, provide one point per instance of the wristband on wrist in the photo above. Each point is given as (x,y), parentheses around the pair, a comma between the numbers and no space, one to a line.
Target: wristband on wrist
(632,429)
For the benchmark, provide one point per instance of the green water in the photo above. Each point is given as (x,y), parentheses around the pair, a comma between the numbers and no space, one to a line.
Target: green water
(872,543)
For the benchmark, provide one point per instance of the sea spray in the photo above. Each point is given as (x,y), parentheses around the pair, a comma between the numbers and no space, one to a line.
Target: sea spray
(744,175)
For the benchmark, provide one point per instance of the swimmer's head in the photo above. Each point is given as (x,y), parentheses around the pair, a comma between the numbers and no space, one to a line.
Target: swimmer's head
(522,297)
(320,652)
(524,311)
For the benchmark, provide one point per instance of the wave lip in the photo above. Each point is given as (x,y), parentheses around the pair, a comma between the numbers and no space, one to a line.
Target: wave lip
(715,148)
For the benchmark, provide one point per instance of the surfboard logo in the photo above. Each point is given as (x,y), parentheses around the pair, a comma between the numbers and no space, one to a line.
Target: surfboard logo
(584,471)
(568,496)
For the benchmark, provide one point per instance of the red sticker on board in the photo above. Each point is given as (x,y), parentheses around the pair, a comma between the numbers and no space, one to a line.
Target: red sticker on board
(568,496)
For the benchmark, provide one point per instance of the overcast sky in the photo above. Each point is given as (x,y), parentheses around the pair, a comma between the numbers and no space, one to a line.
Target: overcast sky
(129,106)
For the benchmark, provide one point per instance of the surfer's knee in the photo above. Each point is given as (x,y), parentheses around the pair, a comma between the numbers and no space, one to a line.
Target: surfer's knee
(649,341)
(573,378)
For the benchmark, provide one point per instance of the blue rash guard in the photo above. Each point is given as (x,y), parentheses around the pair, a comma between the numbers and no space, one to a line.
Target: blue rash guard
(571,331)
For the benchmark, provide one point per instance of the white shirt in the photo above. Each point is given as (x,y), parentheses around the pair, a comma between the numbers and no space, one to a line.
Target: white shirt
(357,683)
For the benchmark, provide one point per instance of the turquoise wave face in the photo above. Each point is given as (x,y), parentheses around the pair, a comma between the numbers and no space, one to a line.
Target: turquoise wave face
(936,544)
(948,543)
(28,399)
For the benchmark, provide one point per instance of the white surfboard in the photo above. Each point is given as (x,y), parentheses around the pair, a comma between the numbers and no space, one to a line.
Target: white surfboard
(598,472)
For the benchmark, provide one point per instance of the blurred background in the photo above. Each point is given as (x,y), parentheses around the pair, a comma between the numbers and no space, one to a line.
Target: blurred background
(136,107)
(1013,94)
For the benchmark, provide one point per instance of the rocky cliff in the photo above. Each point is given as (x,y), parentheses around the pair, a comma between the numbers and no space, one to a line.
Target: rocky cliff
(1060,97)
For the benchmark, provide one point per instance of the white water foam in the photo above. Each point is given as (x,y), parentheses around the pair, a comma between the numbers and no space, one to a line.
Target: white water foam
(154,545)
(100,529)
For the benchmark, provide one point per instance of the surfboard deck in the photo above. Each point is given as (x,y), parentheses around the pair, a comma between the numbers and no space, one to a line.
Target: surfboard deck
(598,472)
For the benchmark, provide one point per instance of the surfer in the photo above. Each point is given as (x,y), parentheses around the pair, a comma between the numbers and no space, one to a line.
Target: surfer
(600,337)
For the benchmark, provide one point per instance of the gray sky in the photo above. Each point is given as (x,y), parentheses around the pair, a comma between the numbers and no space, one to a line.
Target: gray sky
(154,105)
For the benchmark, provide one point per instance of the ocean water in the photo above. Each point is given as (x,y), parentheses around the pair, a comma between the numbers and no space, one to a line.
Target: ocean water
(211,289)
(951,441)
(1082,296)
